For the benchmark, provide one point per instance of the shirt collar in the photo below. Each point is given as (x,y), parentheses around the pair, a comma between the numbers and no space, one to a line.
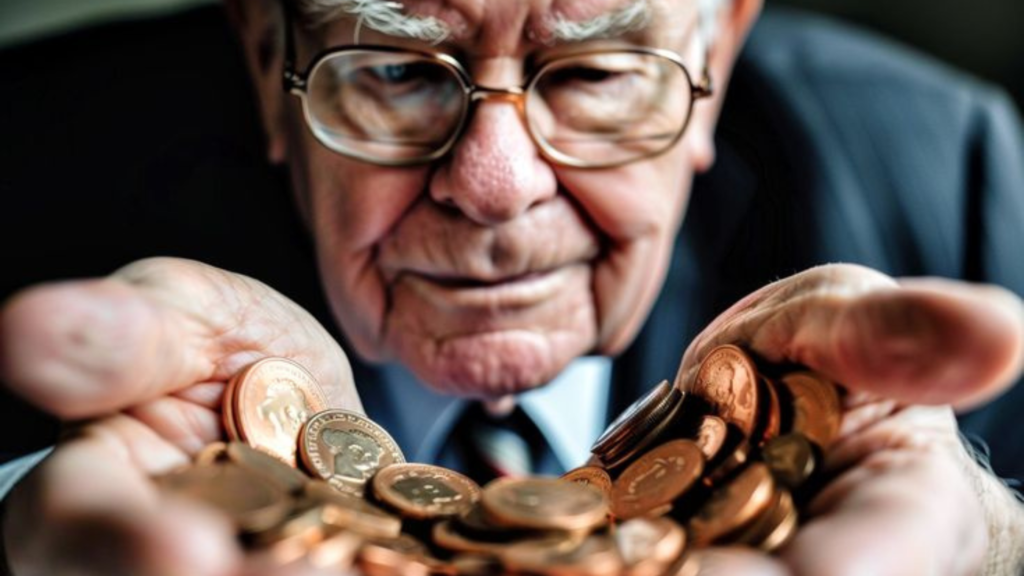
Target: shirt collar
(571,411)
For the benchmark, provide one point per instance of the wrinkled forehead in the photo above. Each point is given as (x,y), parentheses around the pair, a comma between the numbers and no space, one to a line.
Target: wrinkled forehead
(507,24)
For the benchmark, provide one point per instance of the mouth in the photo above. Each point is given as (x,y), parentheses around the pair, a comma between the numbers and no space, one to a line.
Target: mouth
(507,292)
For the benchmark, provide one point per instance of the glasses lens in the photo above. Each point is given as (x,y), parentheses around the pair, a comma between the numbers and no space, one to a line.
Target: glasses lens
(609,107)
(384,105)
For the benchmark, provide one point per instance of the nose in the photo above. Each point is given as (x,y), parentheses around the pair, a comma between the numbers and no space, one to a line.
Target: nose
(495,172)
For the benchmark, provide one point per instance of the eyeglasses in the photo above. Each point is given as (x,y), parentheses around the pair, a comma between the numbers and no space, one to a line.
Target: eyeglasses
(398,107)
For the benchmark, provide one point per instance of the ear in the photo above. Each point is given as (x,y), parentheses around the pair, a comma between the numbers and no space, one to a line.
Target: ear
(259,25)
(735,19)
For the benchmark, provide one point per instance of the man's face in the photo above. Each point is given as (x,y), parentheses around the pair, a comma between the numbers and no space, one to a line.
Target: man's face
(488,271)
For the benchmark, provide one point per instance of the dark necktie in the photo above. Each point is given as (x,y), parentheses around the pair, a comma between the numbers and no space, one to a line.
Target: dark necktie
(486,447)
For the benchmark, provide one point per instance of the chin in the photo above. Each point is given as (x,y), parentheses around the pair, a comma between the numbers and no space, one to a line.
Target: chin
(491,365)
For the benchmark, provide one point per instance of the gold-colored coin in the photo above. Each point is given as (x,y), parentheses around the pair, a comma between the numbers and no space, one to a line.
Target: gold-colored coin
(346,449)
(711,436)
(348,512)
(649,545)
(425,492)
(544,504)
(591,476)
(791,459)
(817,411)
(253,503)
(657,478)
(271,400)
(733,506)
(447,534)
(727,380)
(267,466)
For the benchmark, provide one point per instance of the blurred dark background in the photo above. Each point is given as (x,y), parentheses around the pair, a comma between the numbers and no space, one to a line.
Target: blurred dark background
(985,37)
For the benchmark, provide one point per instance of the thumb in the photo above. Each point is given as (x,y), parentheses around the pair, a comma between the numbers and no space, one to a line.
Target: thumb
(85,348)
(917,341)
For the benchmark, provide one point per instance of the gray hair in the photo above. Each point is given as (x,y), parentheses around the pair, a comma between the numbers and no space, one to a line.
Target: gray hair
(388,17)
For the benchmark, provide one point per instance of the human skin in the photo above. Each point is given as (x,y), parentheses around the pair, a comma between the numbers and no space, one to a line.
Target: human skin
(490,270)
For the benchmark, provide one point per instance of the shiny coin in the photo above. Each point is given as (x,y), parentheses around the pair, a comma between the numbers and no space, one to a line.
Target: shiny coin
(591,476)
(446,534)
(791,459)
(637,425)
(711,436)
(734,454)
(649,545)
(425,492)
(776,527)
(259,462)
(403,556)
(272,399)
(595,555)
(657,478)
(728,381)
(770,412)
(343,510)
(817,411)
(346,449)
(253,503)
(733,506)
(544,504)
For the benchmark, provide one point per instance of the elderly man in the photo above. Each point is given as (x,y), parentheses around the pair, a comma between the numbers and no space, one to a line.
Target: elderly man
(496,189)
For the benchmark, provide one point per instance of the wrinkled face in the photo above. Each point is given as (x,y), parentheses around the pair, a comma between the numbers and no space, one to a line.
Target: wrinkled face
(488,271)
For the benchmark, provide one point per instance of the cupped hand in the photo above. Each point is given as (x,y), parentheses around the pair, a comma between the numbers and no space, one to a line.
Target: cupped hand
(140,359)
(907,499)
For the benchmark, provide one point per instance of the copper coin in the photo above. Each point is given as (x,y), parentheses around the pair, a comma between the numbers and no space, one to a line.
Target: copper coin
(400,557)
(273,399)
(734,454)
(733,506)
(636,423)
(791,459)
(817,411)
(649,545)
(446,535)
(770,412)
(591,476)
(425,492)
(544,504)
(259,462)
(227,410)
(657,478)
(727,380)
(346,449)
(253,503)
(336,552)
(775,527)
(343,510)
(595,555)
(711,436)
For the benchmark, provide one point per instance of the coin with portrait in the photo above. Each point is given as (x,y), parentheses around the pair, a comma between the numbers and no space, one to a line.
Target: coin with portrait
(346,449)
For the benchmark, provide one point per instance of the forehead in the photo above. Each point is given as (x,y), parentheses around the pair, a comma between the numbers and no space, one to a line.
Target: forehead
(504,25)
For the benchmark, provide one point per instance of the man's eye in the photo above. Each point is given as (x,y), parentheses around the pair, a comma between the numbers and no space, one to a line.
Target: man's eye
(584,74)
(394,73)
(400,78)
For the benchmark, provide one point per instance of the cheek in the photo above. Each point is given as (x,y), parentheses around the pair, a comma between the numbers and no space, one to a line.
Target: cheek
(350,208)
(639,210)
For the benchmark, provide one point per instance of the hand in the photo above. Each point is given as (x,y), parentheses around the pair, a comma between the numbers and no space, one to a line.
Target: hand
(144,354)
(908,498)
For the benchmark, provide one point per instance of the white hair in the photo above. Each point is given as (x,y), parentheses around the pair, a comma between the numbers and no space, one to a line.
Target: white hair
(388,17)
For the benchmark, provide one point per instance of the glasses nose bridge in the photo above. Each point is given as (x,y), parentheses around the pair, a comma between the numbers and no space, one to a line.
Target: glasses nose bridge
(513,94)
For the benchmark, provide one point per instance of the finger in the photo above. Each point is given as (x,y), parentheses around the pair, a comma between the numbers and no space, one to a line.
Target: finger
(923,341)
(904,508)
(86,348)
(92,509)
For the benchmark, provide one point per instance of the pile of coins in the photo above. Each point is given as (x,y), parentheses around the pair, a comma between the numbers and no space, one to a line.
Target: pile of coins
(724,462)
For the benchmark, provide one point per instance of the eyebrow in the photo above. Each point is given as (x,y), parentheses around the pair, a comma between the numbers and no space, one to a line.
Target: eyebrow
(633,17)
(386,17)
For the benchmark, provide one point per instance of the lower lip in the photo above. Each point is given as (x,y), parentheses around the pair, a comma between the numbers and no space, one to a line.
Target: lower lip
(520,292)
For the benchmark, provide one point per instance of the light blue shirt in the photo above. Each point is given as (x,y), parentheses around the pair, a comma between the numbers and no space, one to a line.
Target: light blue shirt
(570,412)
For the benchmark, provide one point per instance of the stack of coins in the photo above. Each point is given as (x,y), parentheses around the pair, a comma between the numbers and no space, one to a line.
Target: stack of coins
(718,462)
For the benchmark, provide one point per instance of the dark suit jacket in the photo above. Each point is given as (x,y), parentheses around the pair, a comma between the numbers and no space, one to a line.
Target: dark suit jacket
(141,139)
